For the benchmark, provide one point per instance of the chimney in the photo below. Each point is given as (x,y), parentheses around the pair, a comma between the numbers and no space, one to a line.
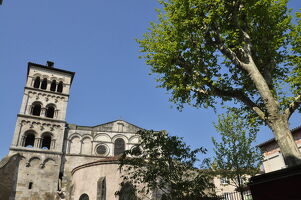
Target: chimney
(50,64)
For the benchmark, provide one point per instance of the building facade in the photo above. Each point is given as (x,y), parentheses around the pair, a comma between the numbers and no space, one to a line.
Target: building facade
(51,159)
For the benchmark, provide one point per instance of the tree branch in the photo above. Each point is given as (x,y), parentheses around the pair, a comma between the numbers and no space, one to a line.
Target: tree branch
(224,50)
(236,94)
(293,106)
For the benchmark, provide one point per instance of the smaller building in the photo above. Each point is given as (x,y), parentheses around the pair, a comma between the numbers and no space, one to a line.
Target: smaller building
(272,156)
(226,188)
(223,186)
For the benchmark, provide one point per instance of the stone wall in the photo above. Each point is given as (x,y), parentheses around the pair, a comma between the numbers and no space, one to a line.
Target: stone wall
(38,176)
(97,179)
(8,175)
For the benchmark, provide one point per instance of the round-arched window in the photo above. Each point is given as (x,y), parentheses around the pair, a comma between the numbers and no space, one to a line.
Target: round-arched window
(50,111)
(119,146)
(101,149)
(46,141)
(44,84)
(37,82)
(60,87)
(29,139)
(53,86)
(36,109)
(84,197)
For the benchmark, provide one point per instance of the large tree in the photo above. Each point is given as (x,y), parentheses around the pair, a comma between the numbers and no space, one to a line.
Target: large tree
(165,164)
(235,157)
(206,52)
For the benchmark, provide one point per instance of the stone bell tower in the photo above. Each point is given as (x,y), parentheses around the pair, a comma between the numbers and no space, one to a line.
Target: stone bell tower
(40,130)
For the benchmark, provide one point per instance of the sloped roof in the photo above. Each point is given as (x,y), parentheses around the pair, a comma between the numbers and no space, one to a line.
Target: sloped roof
(270,141)
(107,126)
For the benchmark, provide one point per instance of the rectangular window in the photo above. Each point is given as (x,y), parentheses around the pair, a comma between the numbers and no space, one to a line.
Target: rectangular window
(224,181)
(30,185)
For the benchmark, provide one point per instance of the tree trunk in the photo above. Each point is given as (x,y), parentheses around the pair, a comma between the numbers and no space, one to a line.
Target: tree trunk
(240,187)
(242,194)
(276,121)
(284,138)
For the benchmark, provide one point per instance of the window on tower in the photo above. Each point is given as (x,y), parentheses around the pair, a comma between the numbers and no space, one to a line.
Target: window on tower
(29,139)
(44,84)
(60,87)
(119,146)
(53,86)
(50,109)
(30,185)
(36,109)
(37,82)
(46,141)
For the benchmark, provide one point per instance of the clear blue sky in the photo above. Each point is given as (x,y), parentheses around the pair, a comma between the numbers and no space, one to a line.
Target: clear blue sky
(95,39)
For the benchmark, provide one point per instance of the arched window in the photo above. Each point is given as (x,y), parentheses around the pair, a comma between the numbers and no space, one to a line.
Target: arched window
(50,111)
(36,109)
(119,146)
(44,84)
(29,139)
(60,87)
(37,82)
(46,141)
(84,197)
(53,86)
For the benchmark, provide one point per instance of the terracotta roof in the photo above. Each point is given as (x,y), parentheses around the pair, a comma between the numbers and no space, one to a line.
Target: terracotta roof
(293,131)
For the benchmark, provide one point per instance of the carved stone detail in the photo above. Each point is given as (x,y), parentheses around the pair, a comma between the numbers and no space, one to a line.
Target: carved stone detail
(39,125)
(47,97)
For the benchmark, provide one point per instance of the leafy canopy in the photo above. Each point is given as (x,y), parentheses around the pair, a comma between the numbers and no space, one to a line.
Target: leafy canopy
(165,164)
(235,156)
(198,49)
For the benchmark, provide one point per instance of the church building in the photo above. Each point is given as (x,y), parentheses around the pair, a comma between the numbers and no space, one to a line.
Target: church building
(52,159)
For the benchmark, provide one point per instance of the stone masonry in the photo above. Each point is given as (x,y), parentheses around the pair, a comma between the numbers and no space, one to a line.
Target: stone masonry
(46,150)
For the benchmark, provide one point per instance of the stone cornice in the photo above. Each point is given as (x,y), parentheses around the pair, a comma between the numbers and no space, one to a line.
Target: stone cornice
(34,150)
(46,91)
(41,118)
(83,155)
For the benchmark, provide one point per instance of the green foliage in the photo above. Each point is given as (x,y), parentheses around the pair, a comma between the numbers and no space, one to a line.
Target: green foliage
(127,192)
(166,164)
(235,158)
(186,49)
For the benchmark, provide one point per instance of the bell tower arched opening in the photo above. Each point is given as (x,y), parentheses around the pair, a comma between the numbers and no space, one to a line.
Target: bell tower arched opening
(53,86)
(36,109)
(50,109)
(37,82)
(29,139)
(46,141)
